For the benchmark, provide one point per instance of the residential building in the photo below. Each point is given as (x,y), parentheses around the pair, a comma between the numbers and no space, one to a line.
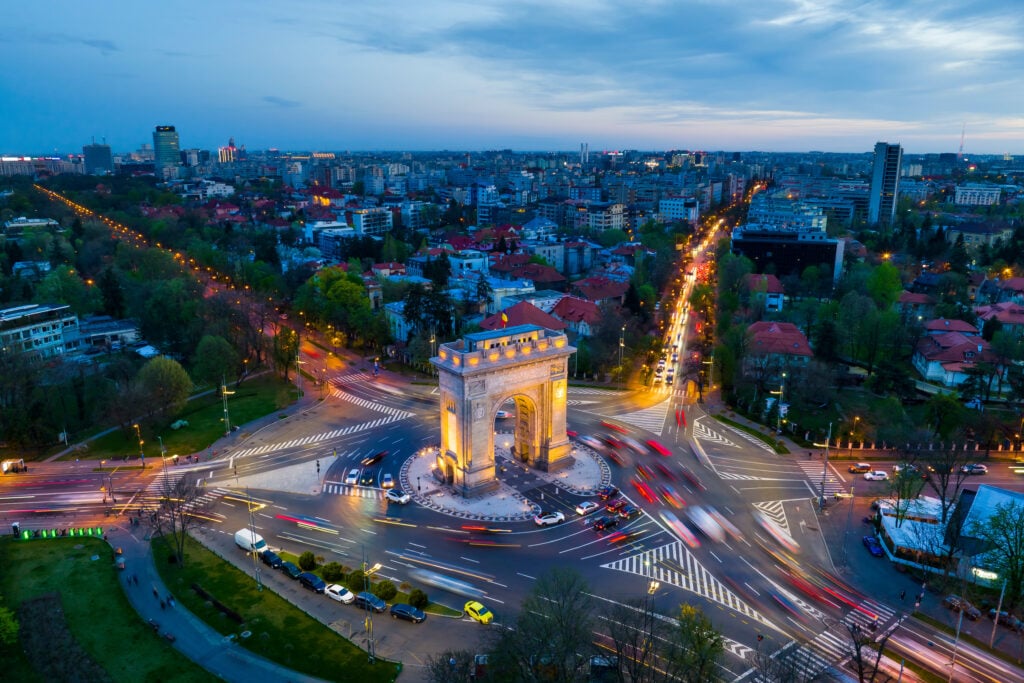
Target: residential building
(885,177)
(786,214)
(373,221)
(522,313)
(978,234)
(605,216)
(976,194)
(915,305)
(579,315)
(946,357)
(774,348)
(42,329)
(679,209)
(766,291)
(1008,313)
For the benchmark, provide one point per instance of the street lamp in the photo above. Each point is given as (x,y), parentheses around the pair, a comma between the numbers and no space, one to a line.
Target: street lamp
(138,435)
(780,393)
(224,395)
(824,468)
(622,343)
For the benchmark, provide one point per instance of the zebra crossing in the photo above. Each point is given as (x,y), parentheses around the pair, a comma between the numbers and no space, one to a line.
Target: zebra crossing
(371,405)
(735,476)
(674,564)
(316,438)
(833,484)
(869,613)
(704,433)
(753,440)
(591,391)
(336,488)
(164,483)
(652,419)
(776,512)
(349,378)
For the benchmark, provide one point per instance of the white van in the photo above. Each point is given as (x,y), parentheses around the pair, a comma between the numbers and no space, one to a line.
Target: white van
(249,541)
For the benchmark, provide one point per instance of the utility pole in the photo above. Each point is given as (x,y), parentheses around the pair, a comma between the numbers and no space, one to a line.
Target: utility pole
(999,608)
(252,529)
(224,395)
(824,470)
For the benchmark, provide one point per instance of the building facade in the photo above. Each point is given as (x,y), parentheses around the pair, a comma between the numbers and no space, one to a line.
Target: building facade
(166,152)
(885,177)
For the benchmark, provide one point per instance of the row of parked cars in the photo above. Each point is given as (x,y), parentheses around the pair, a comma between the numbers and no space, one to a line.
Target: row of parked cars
(959,603)
(872,474)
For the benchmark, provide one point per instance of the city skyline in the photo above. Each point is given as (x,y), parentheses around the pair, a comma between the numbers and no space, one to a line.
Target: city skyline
(775,75)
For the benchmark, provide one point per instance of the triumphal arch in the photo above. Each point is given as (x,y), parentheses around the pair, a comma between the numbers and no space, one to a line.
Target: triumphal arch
(476,375)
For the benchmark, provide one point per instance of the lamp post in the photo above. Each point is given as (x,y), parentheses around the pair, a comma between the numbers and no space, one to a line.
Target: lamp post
(224,393)
(622,343)
(780,393)
(138,435)
(824,468)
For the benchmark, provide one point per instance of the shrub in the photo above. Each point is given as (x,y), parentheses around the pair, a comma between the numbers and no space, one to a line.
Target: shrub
(356,581)
(418,598)
(307,561)
(333,572)
(385,590)
(405,587)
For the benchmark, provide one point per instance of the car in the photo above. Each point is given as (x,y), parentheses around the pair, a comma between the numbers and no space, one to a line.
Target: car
(975,468)
(478,613)
(629,511)
(664,471)
(271,559)
(352,478)
(644,490)
(860,468)
(367,600)
(375,458)
(877,475)
(408,612)
(290,569)
(1006,619)
(312,582)
(503,415)
(960,604)
(367,478)
(615,505)
(606,492)
(657,379)
(586,507)
(656,446)
(873,545)
(606,522)
(340,593)
(906,469)
(668,379)
(387,482)
(397,496)
(549,518)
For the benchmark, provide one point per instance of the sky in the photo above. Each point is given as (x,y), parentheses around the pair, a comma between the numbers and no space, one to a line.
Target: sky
(336,75)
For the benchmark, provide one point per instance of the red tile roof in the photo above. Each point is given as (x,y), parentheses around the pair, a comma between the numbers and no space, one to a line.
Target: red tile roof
(600,289)
(1007,313)
(769,284)
(915,298)
(1013,284)
(954,347)
(575,310)
(769,337)
(950,325)
(522,313)
(535,272)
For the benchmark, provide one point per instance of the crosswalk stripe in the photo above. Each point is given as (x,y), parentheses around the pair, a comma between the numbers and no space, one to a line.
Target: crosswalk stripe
(813,471)
(652,419)
(776,511)
(704,433)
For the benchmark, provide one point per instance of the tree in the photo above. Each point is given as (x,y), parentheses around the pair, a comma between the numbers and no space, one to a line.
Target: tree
(178,508)
(215,359)
(946,415)
(863,647)
(944,470)
(307,561)
(451,666)
(9,626)
(884,285)
(639,639)
(700,648)
(63,285)
(164,384)
(1003,535)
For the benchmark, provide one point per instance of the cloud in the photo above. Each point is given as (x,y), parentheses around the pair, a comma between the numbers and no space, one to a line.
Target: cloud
(281,101)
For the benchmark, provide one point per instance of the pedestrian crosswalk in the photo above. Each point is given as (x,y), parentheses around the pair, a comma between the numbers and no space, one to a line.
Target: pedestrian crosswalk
(674,564)
(165,484)
(371,405)
(652,419)
(813,470)
(317,438)
(776,512)
(349,378)
(750,438)
(336,488)
(704,433)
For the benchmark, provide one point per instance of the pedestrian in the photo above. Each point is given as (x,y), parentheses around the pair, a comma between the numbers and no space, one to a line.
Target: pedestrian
(156,593)
(808,455)
(170,600)
(163,605)
(903,594)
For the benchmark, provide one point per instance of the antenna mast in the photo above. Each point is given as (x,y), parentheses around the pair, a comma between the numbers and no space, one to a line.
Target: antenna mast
(963,132)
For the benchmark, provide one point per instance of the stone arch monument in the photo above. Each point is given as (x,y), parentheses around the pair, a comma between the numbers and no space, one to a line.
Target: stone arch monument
(476,375)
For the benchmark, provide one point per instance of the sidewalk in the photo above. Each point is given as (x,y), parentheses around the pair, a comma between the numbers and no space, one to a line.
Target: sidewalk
(193,638)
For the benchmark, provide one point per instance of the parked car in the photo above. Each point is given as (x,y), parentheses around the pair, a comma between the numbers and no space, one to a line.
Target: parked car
(353,477)
(339,593)
(877,475)
(407,612)
(397,496)
(975,468)
(860,468)
(586,507)
(312,582)
(959,604)
(607,522)
(478,613)
(874,546)
(271,559)
(1006,619)
(290,569)
(606,492)
(549,518)
(369,600)
(388,482)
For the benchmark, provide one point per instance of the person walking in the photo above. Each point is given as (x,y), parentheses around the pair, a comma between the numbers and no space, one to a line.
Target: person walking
(903,594)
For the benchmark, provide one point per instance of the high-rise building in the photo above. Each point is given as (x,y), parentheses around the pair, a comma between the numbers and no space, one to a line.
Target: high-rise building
(229,154)
(165,149)
(885,178)
(98,159)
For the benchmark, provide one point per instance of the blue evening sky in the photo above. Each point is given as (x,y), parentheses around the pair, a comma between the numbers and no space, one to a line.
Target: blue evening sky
(773,75)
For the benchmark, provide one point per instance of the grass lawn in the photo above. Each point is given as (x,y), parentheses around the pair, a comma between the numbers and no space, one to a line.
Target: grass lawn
(98,615)
(255,398)
(280,631)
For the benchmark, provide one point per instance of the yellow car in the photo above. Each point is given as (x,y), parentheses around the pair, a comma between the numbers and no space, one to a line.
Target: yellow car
(478,612)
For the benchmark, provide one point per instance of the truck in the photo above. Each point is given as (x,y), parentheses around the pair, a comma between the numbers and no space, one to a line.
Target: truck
(250,541)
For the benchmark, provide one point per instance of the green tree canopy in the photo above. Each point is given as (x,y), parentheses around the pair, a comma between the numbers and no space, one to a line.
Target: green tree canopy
(884,285)
(164,384)
(215,360)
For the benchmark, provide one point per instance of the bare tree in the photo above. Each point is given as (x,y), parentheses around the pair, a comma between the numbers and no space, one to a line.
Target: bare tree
(795,663)
(865,652)
(451,666)
(906,482)
(944,469)
(639,638)
(176,510)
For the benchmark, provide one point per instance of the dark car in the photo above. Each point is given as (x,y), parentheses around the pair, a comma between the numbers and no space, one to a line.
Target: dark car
(959,604)
(367,478)
(873,546)
(1006,619)
(407,612)
(290,569)
(271,559)
(629,512)
(606,492)
(615,505)
(312,582)
(375,458)
(603,523)
(366,600)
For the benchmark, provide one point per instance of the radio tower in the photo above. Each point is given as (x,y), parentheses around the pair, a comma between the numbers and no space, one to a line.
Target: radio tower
(963,132)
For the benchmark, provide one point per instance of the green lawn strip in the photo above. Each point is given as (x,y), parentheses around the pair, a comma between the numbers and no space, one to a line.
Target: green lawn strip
(770,440)
(431,608)
(253,399)
(967,638)
(96,610)
(279,630)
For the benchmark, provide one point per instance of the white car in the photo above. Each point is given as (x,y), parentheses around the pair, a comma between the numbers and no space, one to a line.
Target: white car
(339,593)
(549,518)
(387,482)
(353,477)
(877,475)
(586,507)
(397,496)
(503,415)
